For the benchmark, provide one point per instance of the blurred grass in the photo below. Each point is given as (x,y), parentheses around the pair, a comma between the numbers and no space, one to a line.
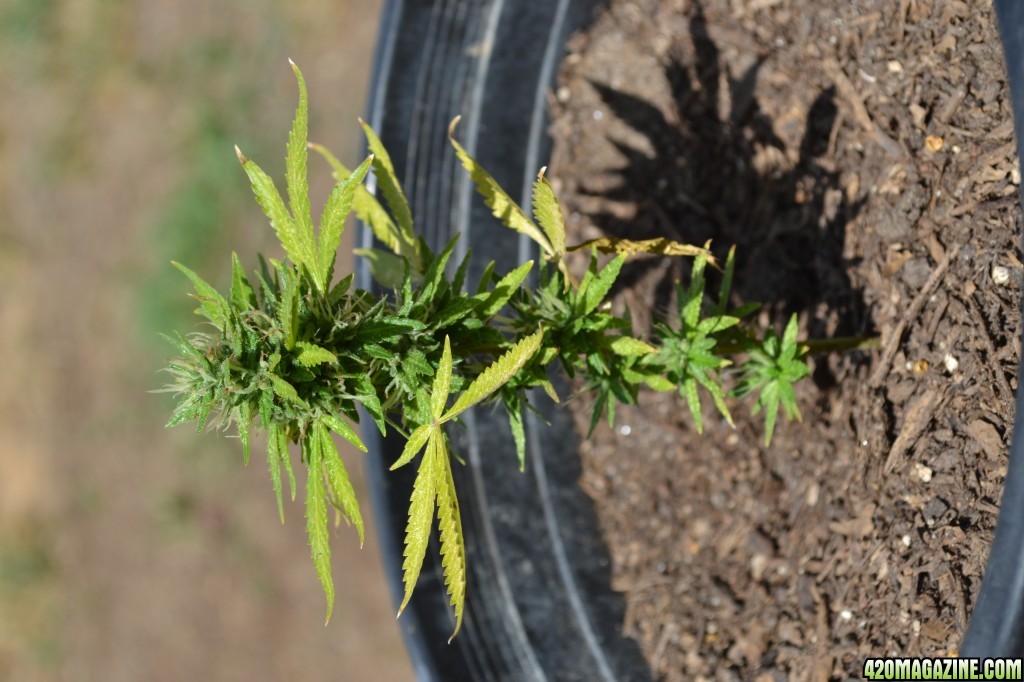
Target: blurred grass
(128,552)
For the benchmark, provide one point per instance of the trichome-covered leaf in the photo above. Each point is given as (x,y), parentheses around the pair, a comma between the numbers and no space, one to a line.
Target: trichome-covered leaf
(497,375)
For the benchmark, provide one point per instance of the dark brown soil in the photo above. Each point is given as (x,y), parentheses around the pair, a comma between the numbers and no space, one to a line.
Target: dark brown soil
(860,156)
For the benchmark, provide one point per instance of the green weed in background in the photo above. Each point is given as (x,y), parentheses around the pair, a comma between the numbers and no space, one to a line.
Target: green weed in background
(296,350)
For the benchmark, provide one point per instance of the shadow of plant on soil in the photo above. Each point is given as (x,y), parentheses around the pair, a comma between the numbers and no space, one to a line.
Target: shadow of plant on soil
(725,176)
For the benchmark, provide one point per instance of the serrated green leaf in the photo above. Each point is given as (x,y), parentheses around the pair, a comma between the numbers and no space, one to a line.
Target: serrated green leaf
(366,394)
(343,429)
(789,345)
(455,311)
(548,213)
(421,516)
(212,305)
(434,276)
(316,517)
(273,206)
(337,477)
(298,183)
(286,460)
(593,292)
(274,464)
(283,389)
(497,375)
(332,221)
(690,304)
(719,323)
(412,446)
(726,286)
(242,295)
(515,422)
(504,290)
(627,346)
(387,269)
(442,382)
(485,278)
(501,204)
(311,355)
(288,307)
(689,391)
(453,548)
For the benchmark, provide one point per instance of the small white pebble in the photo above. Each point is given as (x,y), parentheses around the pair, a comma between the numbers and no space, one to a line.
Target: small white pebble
(598,114)
(846,614)
(924,472)
(905,540)
(1000,274)
(625,430)
(864,443)
(1015,174)
(563,94)
(894,66)
(951,363)
(956,149)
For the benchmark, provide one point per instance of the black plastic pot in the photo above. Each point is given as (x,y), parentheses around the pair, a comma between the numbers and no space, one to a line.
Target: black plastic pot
(540,606)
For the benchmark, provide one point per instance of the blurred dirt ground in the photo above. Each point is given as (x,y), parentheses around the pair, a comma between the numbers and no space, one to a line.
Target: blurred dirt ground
(128,552)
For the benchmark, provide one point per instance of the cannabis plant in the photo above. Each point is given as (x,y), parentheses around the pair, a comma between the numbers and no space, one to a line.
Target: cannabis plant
(295,351)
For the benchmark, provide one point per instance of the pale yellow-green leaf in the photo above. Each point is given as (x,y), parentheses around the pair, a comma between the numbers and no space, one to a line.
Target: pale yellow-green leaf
(453,548)
(659,246)
(311,354)
(442,382)
(387,269)
(342,428)
(412,446)
(332,220)
(316,518)
(627,345)
(548,213)
(371,212)
(501,204)
(387,181)
(286,460)
(337,477)
(497,375)
(421,517)
(273,206)
(296,178)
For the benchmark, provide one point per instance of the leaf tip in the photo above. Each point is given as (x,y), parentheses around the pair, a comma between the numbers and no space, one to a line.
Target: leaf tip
(242,158)
(452,126)
(540,173)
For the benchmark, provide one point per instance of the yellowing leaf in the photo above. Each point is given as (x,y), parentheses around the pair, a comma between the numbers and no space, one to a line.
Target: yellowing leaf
(660,246)
(501,204)
(311,355)
(497,375)
(421,517)
(338,479)
(416,440)
(442,382)
(387,181)
(453,548)
(548,213)
(371,212)
(316,518)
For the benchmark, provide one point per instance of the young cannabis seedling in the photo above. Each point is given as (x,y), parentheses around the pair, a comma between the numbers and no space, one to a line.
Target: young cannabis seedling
(295,352)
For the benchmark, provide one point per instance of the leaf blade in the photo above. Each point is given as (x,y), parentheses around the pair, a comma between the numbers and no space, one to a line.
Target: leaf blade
(497,375)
